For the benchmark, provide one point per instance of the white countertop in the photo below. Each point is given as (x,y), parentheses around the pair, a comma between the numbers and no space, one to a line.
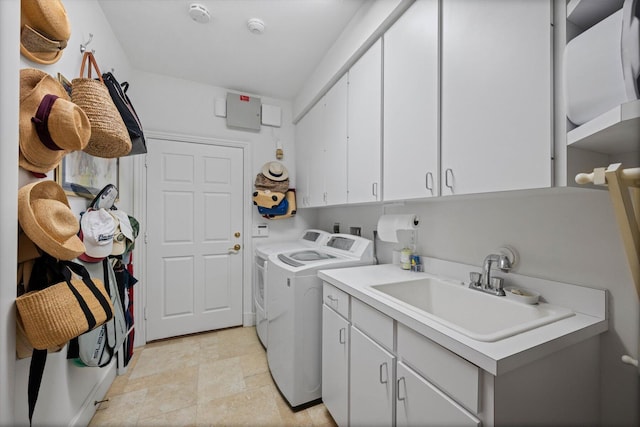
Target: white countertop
(496,357)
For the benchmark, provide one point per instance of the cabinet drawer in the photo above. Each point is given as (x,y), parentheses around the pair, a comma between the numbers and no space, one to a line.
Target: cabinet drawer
(375,324)
(336,299)
(452,374)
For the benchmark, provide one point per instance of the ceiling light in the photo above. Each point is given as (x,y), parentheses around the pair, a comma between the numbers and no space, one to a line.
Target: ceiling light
(255,25)
(199,13)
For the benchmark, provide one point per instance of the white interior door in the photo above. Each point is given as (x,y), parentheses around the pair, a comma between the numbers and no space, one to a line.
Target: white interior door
(194,219)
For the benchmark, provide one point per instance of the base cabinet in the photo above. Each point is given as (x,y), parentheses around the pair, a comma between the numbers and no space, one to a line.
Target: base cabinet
(335,365)
(379,372)
(420,403)
(371,380)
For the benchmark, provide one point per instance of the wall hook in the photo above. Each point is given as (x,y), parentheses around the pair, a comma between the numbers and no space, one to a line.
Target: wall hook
(83,46)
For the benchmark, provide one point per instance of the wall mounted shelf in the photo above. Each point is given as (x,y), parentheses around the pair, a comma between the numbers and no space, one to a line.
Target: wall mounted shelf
(586,13)
(614,132)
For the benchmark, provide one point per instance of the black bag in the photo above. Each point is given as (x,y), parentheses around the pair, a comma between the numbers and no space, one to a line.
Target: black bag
(128,113)
(97,347)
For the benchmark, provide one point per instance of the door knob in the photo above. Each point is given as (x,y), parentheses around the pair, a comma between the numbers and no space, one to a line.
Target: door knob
(237,234)
(235,248)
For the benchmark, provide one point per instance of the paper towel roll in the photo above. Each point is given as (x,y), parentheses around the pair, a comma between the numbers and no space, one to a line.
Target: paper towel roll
(388,225)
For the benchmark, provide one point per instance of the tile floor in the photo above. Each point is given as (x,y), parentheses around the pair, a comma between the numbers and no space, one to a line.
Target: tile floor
(214,378)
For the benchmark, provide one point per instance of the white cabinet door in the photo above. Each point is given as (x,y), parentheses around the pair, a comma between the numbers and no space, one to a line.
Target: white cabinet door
(419,403)
(315,156)
(304,137)
(364,127)
(496,95)
(411,104)
(335,143)
(335,365)
(371,382)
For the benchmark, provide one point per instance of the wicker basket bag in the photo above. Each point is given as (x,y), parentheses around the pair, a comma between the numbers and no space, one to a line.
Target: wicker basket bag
(54,315)
(109,135)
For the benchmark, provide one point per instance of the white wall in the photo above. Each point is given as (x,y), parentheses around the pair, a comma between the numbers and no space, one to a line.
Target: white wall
(9,93)
(67,391)
(567,235)
(175,106)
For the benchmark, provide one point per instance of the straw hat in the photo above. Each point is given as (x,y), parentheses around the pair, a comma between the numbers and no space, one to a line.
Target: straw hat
(45,30)
(264,183)
(46,218)
(27,250)
(275,171)
(50,124)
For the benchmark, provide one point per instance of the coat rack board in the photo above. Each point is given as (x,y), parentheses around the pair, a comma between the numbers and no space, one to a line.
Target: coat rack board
(624,189)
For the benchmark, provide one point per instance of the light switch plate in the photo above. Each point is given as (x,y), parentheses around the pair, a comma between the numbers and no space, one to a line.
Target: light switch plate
(260,230)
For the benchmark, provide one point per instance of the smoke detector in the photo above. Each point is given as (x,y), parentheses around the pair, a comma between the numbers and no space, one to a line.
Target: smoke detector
(255,25)
(199,13)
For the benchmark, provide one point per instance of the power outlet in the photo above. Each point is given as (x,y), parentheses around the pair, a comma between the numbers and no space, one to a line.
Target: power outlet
(355,231)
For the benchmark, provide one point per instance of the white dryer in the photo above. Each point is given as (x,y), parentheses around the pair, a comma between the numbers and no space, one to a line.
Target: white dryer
(295,312)
(309,238)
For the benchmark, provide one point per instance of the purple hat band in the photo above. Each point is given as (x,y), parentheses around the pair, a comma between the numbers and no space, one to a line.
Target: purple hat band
(41,120)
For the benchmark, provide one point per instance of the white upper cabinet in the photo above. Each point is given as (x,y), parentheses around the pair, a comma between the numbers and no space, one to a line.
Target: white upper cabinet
(496,95)
(303,132)
(364,127)
(467,107)
(334,134)
(411,104)
(321,137)
(310,157)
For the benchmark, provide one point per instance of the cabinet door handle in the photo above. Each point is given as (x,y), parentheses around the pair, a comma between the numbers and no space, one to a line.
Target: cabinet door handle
(402,392)
(429,181)
(448,173)
(374,189)
(386,375)
(342,336)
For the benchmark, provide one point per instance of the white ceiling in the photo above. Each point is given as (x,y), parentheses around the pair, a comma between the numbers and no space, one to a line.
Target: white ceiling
(160,37)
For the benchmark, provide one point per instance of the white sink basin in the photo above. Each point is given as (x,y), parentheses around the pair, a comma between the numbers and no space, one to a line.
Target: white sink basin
(475,314)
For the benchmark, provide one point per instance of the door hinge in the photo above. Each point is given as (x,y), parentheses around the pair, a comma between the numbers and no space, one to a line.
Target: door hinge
(145,313)
(146,240)
(145,161)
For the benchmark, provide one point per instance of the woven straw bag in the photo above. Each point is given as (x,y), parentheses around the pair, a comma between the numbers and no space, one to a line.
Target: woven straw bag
(54,315)
(109,135)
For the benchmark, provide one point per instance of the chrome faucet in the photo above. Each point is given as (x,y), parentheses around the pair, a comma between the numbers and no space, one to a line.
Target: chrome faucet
(484,282)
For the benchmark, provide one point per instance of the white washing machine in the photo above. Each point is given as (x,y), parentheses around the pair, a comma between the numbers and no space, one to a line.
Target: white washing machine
(309,238)
(295,312)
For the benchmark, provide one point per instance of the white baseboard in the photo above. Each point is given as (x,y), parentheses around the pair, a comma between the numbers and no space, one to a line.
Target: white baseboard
(249,319)
(88,409)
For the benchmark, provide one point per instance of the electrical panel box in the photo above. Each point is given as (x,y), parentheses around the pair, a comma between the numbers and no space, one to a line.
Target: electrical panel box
(243,111)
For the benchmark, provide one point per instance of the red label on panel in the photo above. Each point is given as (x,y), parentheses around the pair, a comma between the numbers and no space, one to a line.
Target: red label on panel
(244,98)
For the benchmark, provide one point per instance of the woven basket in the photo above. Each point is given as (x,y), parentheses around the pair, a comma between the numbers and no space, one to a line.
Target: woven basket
(109,135)
(52,316)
